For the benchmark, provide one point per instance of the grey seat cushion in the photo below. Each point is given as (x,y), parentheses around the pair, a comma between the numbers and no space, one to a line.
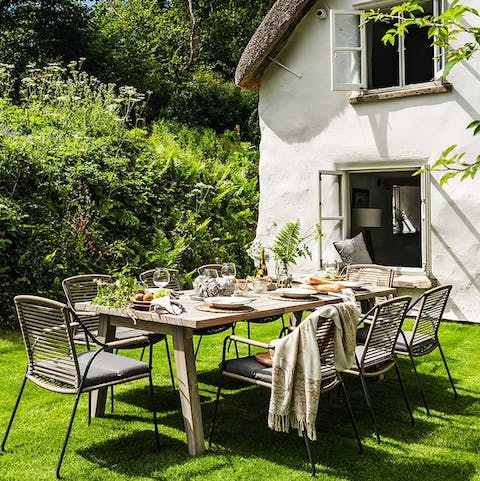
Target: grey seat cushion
(249,367)
(421,342)
(107,367)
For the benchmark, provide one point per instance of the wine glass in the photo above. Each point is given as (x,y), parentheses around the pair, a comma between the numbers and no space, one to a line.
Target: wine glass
(161,277)
(228,270)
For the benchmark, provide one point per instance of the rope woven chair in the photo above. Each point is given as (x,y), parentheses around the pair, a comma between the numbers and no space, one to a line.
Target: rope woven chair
(250,370)
(48,332)
(373,275)
(83,288)
(377,356)
(423,338)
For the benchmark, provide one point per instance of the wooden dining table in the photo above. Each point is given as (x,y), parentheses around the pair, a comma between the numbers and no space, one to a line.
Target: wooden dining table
(181,327)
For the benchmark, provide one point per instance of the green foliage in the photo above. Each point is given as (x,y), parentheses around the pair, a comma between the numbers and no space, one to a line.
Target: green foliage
(189,74)
(118,293)
(84,190)
(207,100)
(50,30)
(456,31)
(289,244)
(186,63)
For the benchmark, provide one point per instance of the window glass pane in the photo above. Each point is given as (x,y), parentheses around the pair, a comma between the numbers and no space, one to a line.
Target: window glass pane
(348,67)
(331,232)
(384,64)
(418,56)
(347,31)
(331,195)
(398,196)
(331,206)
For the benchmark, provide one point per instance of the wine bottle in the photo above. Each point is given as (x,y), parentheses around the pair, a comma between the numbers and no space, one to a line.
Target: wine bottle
(262,270)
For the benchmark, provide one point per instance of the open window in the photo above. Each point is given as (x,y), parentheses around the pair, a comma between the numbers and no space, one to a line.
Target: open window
(361,60)
(391,208)
(348,50)
(333,218)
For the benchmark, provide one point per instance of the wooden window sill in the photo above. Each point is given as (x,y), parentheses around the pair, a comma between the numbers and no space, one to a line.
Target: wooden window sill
(365,96)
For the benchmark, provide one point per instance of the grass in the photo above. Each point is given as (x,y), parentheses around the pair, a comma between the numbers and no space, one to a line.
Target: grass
(442,446)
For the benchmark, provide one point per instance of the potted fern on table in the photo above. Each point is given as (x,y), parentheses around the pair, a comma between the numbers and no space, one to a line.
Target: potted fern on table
(289,244)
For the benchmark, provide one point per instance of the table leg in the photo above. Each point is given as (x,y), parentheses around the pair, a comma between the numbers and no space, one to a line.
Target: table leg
(106,333)
(188,388)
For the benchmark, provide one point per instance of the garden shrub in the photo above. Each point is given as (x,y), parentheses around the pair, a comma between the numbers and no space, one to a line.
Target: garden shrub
(82,189)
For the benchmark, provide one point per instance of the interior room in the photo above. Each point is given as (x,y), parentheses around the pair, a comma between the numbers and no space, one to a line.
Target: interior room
(386,207)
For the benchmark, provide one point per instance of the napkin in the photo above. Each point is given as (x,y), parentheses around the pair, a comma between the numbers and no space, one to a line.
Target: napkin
(167,305)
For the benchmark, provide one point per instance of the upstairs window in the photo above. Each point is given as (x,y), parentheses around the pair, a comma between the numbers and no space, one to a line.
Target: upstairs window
(361,60)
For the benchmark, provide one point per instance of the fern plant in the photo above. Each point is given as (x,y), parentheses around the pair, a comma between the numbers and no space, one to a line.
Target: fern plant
(290,244)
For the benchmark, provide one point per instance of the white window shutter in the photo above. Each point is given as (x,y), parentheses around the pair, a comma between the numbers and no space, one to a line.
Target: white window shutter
(333,212)
(348,54)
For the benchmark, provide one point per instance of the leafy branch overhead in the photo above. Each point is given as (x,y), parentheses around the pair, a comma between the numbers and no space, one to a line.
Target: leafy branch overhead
(456,32)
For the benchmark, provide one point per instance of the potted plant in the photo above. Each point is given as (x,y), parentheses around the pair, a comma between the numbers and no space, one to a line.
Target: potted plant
(289,244)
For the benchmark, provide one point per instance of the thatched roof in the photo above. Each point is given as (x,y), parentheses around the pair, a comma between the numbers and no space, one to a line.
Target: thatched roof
(268,40)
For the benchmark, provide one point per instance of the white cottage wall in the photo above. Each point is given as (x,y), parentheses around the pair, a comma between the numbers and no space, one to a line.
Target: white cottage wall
(307,128)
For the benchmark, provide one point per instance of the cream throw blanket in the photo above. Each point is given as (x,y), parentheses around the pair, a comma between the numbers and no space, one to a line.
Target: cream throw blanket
(296,374)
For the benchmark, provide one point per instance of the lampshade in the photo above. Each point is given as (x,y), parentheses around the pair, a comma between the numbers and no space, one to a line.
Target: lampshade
(363,217)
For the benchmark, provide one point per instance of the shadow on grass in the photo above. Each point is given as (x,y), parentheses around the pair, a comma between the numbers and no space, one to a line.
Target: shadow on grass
(135,454)
(242,430)
(335,451)
(165,399)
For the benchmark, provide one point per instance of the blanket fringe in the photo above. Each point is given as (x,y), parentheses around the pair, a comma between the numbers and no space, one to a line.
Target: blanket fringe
(283,423)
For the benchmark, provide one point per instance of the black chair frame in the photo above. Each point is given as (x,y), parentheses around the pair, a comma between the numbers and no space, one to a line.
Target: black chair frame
(75,385)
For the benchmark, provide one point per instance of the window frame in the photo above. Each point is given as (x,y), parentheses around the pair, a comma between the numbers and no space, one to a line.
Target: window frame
(438,54)
(425,204)
(362,48)
(343,202)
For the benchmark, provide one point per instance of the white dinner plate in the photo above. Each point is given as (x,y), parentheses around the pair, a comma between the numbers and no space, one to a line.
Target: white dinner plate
(295,292)
(225,302)
(351,284)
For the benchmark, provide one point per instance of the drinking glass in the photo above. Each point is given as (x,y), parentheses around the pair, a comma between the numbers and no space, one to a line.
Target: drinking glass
(241,287)
(161,277)
(228,270)
(260,285)
(331,268)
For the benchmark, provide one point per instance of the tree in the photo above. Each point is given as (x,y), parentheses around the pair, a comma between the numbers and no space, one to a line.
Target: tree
(184,52)
(460,40)
(42,31)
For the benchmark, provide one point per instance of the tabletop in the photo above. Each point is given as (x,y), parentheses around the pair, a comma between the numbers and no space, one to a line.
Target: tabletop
(262,305)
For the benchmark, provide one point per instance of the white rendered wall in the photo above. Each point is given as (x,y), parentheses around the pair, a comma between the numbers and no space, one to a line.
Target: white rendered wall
(306,128)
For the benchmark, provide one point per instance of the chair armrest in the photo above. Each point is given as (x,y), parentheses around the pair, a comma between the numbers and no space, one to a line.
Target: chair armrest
(251,342)
(366,318)
(127,342)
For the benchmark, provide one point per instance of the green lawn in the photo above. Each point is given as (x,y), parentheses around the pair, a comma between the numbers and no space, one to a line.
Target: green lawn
(442,446)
